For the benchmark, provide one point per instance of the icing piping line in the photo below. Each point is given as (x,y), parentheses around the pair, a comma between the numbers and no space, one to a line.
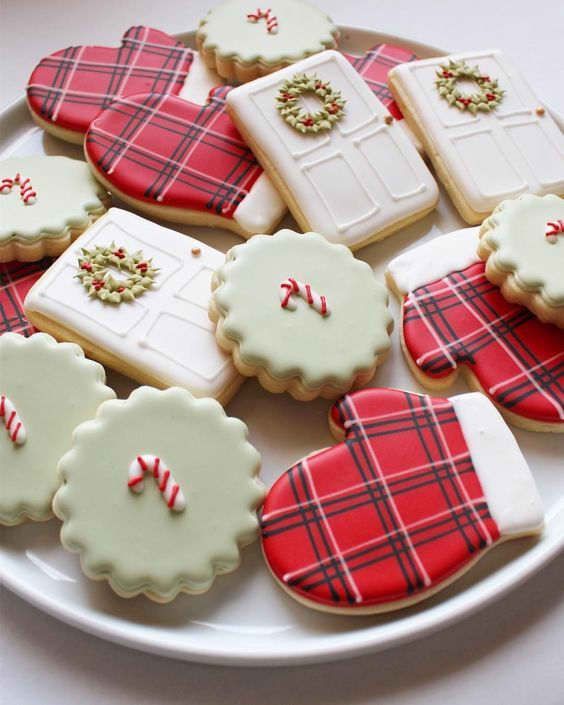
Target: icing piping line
(168,487)
(290,287)
(12,421)
(27,192)
(553,229)
(271,19)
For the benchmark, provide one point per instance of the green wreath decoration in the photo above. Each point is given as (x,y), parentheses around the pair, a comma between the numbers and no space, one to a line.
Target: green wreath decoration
(488,96)
(98,281)
(290,108)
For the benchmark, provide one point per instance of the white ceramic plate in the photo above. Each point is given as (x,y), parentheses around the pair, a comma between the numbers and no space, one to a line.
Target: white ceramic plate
(245,619)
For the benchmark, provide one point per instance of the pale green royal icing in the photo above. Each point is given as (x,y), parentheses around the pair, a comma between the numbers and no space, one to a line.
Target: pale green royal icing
(135,540)
(516,234)
(302,30)
(301,342)
(54,388)
(66,194)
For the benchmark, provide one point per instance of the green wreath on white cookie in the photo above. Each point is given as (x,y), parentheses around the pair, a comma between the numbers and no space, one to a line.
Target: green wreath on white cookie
(485,99)
(291,109)
(94,273)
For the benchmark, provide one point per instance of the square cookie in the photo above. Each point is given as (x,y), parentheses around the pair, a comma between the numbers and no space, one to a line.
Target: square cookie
(162,336)
(356,180)
(486,133)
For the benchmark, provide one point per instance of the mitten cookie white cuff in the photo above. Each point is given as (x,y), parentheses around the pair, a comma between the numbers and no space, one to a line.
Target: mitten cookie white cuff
(261,209)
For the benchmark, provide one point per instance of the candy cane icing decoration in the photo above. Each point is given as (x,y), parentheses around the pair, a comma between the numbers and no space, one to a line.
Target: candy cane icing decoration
(292,287)
(271,20)
(170,489)
(27,192)
(554,228)
(12,421)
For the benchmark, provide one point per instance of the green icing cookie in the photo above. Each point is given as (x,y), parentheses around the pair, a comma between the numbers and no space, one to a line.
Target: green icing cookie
(48,388)
(141,538)
(295,338)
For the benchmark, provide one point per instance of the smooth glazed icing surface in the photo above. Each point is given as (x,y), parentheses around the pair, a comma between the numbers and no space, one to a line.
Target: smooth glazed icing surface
(166,332)
(381,178)
(491,155)
(301,342)
(134,539)
(53,388)
(399,507)
(516,232)
(67,193)
(302,30)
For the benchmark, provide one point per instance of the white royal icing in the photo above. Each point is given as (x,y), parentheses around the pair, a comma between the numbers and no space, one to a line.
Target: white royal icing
(506,479)
(199,82)
(166,332)
(352,181)
(492,155)
(260,208)
(435,259)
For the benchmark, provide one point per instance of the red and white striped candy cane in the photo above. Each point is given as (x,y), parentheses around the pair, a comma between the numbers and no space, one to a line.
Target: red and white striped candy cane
(27,192)
(6,184)
(553,229)
(169,488)
(268,16)
(12,421)
(291,287)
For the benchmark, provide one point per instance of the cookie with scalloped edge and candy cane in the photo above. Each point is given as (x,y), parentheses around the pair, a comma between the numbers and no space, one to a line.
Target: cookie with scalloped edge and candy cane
(169,502)
(67,89)
(184,162)
(242,42)
(301,314)
(522,243)
(46,390)
(416,492)
(45,203)
(454,319)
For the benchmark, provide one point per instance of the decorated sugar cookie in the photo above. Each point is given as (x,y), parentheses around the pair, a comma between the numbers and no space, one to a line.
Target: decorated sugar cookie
(343,166)
(135,295)
(184,162)
(169,502)
(45,203)
(242,42)
(301,314)
(454,319)
(523,245)
(487,134)
(419,489)
(67,89)
(46,390)
(16,279)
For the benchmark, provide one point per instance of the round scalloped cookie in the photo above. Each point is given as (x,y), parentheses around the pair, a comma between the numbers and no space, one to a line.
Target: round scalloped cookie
(301,314)
(522,243)
(242,42)
(45,203)
(159,494)
(46,390)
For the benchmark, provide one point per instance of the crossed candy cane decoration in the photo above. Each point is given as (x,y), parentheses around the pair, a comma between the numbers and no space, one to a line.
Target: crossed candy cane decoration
(271,20)
(553,229)
(290,287)
(12,421)
(169,488)
(27,192)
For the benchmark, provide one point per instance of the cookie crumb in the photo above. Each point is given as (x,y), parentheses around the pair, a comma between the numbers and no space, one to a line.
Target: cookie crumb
(388,119)
(196,251)
(540,111)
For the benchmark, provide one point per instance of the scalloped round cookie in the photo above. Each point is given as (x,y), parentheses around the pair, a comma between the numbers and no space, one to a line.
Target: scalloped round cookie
(522,243)
(302,314)
(159,493)
(46,390)
(242,42)
(45,203)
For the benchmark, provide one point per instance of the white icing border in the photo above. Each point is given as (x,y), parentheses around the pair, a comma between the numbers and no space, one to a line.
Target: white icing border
(506,479)
(434,259)
(261,209)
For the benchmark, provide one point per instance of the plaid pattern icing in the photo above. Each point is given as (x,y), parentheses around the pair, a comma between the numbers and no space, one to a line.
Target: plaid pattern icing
(163,149)
(463,319)
(71,86)
(374,66)
(394,510)
(16,279)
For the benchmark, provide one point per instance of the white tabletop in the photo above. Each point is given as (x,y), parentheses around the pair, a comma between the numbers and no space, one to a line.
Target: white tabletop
(509,653)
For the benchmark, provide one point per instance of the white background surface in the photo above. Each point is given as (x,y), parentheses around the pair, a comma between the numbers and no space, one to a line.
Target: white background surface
(509,653)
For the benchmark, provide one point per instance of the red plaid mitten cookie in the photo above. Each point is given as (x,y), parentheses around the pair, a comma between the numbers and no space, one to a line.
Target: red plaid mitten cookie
(410,499)
(67,89)
(16,279)
(173,159)
(453,317)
